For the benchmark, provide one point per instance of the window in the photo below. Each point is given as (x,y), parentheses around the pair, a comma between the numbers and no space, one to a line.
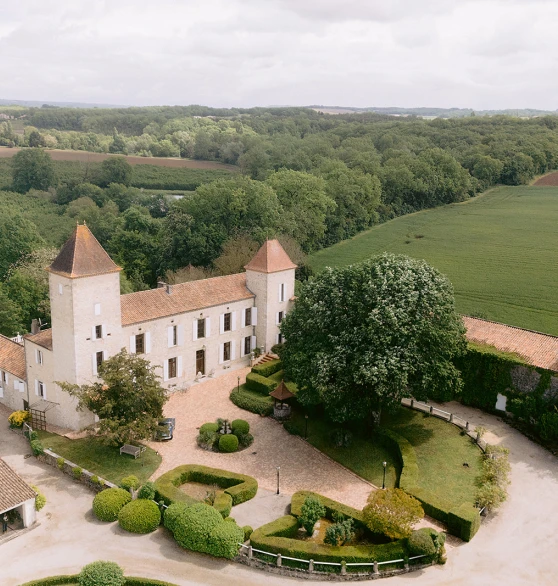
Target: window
(248,316)
(279,338)
(172,367)
(4,380)
(201,328)
(200,362)
(41,388)
(226,351)
(99,358)
(227,322)
(140,343)
(247,345)
(282,292)
(98,332)
(175,335)
(280,317)
(39,357)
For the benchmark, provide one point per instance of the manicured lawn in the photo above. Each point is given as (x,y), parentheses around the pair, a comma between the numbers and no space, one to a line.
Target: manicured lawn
(497,249)
(105,461)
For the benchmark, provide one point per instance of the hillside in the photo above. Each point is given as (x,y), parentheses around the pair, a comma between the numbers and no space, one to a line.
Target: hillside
(499,251)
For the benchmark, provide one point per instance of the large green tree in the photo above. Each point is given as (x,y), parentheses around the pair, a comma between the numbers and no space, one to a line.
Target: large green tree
(128,400)
(32,169)
(115,170)
(362,337)
(18,237)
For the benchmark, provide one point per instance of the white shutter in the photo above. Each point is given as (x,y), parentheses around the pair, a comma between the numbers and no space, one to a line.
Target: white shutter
(44,392)
(253,343)
(233,321)
(280,291)
(180,335)
(277,319)
(170,336)
(132,344)
(207,327)
(7,378)
(166,370)
(93,332)
(277,338)
(15,383)
(105,355)
(103,331)
(94,363)
(222,323)
(221,352)
(21,386)
(97,309)
(243,318)
(233,350)
(147,342)
(1,393)
(36,356)
(254,316)
(36,387)
(195,330)
(179,367)
(241,347)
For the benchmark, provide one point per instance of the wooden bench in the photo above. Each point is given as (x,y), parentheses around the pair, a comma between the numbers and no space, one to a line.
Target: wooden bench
(132,450)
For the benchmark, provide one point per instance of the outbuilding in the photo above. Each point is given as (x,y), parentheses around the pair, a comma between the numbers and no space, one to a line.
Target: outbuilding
(16,495)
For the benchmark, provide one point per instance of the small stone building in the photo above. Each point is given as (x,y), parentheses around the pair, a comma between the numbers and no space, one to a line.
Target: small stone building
(16,494)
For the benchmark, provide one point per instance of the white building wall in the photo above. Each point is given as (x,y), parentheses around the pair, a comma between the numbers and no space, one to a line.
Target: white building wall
(28,513)
(13,391)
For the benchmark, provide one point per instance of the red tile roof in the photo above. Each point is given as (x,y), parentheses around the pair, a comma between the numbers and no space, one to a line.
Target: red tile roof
(270,258)
(43,338)
(13,489)
(82,256)
(12,357)
(535,348)
(157,303)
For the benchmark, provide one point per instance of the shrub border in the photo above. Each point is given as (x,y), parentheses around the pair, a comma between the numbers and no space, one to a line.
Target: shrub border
(67,579)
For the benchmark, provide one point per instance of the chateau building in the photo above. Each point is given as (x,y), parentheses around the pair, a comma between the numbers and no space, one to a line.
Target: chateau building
(188,331)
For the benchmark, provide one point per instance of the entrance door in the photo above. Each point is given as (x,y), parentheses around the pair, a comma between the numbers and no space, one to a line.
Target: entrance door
(200,361)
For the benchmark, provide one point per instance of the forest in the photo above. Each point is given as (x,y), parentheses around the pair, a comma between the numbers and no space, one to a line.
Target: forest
(309,178)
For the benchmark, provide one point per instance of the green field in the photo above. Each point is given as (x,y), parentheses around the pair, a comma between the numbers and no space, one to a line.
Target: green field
(499,251)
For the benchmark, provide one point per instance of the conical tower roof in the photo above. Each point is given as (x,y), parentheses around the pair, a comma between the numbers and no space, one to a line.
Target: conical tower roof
(82,256)
(270,258)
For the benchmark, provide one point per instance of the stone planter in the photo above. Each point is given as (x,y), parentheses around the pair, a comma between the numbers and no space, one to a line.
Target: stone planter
(282,411)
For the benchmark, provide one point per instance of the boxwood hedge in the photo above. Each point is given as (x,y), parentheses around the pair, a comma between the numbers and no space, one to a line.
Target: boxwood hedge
(267,368)
(228,443)
(140,516)
(260,384)
(107,503)
(252,401)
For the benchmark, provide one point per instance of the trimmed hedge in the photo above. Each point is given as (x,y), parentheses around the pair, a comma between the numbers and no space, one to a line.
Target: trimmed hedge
(130,581)
(240,427)
(139,516)
(331,506)
(239,487)
(107,503)
(171,514)
(223,503)
(228,443)
(147,491)
(268,368)
(260,384)
(462,521)
(421,543)
(101,574)
(224,540)
(133,581)
(252,401)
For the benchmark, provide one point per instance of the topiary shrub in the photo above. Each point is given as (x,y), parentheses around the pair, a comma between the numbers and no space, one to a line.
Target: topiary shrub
(101,574)
(421,543)
(247,532)
(77,472)
(228,443)
(252,401)
(266,369)
(209,427)
(129,482)
(37,447)
(139,516)
(224,539)
(95,479)
(260,384)
(40,499)
(240,427)
(60,463)
(107,504)
(193,527)
(172,513)
(147,491)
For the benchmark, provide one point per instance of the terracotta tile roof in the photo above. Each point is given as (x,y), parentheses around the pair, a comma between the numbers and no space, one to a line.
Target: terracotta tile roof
(12,357)
(281,393)
(537,349)
(82,256)
(13,489)
(157,303)
(270,258)
(43,338)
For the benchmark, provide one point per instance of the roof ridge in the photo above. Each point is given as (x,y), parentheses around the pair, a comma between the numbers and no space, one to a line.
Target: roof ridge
(510,326)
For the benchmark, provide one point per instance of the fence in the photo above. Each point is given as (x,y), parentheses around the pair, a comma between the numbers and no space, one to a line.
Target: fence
(279,558)
(463,424)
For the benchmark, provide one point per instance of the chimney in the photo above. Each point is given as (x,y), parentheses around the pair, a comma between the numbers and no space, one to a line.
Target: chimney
(169,288)
(161,284)
(35,329)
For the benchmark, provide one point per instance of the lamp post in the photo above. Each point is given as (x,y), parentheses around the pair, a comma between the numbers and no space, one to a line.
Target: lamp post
(278,468)
(306,427)
(384,481)
(238,384)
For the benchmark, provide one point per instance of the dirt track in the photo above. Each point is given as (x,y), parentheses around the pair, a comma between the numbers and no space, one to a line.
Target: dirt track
(87,157)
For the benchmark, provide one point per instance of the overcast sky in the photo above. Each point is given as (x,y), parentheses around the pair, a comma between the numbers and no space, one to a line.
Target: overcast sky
(483,54)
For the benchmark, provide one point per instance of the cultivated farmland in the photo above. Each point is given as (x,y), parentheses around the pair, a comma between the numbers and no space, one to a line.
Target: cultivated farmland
(499,251)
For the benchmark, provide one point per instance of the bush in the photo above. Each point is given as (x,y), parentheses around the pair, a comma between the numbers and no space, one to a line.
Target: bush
(77,472)
(60,463)
(224,539)
(245,440)
(101,574)
(268,368)
(95,479)
(40,499)
(193,527)
(228,443)
(421,543)
(37,447)
(209,427)
(340,532)
(548,426)
(259,384)
(392,512)
(172,513)
(278,349)
(139,516)
(33,436)
(147,491)
(223,503)
(333,509)
(107,504)
(129,482)
(208,440)
(247,532)
(312,510)
(252,401)
(240,427)
(18,418)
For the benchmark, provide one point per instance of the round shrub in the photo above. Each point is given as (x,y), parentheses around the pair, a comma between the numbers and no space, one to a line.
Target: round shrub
(77,472)
(37,447)
(147,491)
(172,513)
(421,543)
(129,482)
(60,463)
(193,527)
(240,427)
(228,443)
(245,440)
(139,516)
(107,504)
(101,574)
(224,539)
(247,532)
(209,427)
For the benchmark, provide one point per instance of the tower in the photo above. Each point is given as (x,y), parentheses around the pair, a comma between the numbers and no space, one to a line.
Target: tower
(270,275)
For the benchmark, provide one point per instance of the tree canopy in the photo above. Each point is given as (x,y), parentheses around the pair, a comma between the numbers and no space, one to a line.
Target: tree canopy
(32,169)
(362,337)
